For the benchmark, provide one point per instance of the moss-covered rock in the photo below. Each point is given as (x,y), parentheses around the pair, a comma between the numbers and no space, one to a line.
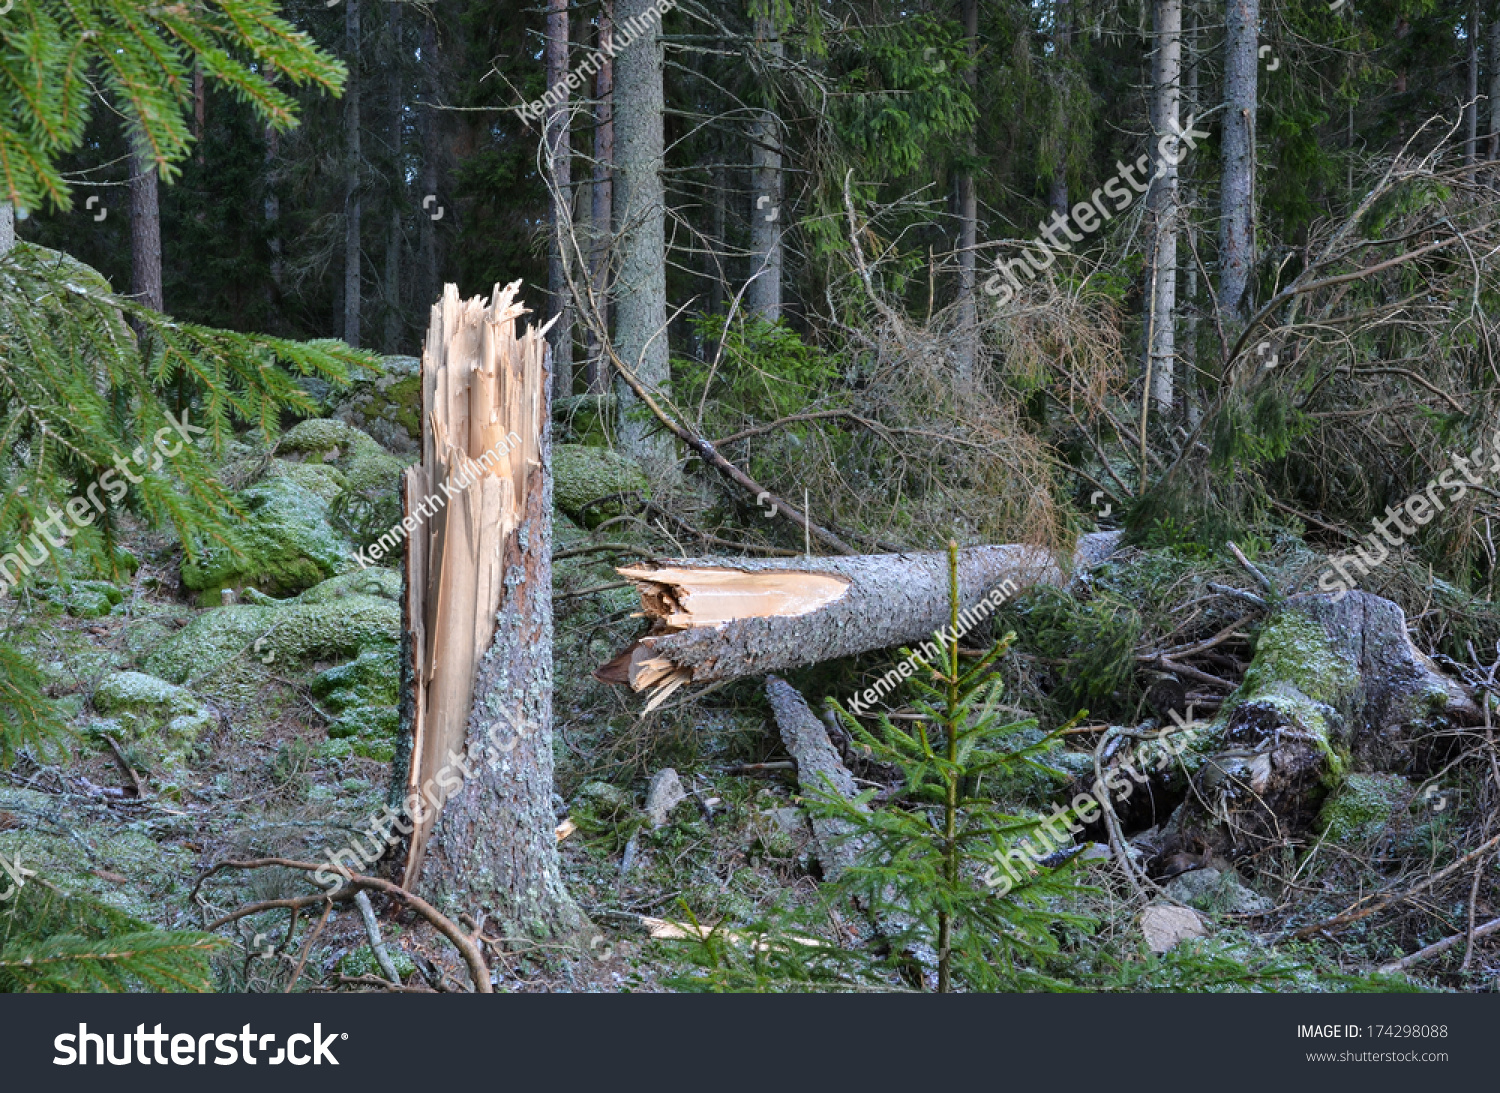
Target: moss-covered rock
(1362,807)
(368,504)
(165,720)
(287,543)
(583,474)
(368,680)
(1297,650)
(388,406)
(327,624)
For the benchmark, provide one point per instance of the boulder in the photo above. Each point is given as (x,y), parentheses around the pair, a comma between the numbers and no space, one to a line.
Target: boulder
(368,504)
(164,720)
(389,406)
(583,474)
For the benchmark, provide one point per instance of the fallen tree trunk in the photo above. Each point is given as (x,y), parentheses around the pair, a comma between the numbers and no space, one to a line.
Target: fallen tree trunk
(807,741)
(728,618)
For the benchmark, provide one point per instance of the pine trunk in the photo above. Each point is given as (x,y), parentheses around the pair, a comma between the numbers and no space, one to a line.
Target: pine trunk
(734,617)
(640,290)
(7,229)
(1162,204)
(601,197)
(560,166)
(145,227)
(351,175)
(968,216)
(763,294)
(1237,189)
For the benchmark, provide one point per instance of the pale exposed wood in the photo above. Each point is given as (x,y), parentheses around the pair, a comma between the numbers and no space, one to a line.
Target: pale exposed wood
(481,397)
(685,598)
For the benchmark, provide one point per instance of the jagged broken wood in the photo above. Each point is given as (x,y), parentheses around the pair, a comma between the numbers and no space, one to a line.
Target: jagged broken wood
(727,618)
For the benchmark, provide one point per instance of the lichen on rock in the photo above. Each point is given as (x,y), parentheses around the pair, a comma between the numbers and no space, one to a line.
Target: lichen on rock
(166,720)
(583,474)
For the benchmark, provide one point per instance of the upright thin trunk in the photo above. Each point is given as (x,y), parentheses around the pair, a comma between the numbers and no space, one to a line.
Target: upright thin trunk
(968,217)
(714,259)
(1494,104)
(763,296)
(427,128)
(1161,201)
(1237,190)
(601,196)
(1062,41)
(7,229)
(396,186)
(1471,110)
(200,99)
(351,175)
(145,226)
(1187,354)
(560,165)
(640,291)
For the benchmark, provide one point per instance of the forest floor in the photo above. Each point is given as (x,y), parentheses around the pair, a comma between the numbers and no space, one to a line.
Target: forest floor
(251,750)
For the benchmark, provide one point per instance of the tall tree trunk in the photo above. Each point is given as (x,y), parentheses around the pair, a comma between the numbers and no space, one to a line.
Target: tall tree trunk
(1237,189)
(1471,110)
(1161,202)
(1062,41)
(640,290)
(7,229)
(479,618)
(968,215)
(351,175)
(145,226)
(396,182)
(560,166)
(427,128)
(601,195)
(1187,354)
(763,296)
(1494,104)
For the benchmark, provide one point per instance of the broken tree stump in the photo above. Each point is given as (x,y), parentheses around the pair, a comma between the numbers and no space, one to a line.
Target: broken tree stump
(726,618)
(478,606)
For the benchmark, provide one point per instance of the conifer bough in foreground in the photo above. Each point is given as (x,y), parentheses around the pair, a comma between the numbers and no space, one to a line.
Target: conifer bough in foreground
(726,618)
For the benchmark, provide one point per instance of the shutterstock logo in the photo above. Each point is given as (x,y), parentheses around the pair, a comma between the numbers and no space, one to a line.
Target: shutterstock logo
(146,1048)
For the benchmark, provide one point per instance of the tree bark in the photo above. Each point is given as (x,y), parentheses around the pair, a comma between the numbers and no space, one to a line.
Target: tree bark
(602,192)
(1471,109)
(1062,40)
(807,742)
(640,290)
(7,229)
(1237,188)
(763,295)
(479,609)
(734,617)
(145,226)
(968,214)
(1494,52)
(396,184)
(427,128)
(1162,204)
(351,175)
(560,167)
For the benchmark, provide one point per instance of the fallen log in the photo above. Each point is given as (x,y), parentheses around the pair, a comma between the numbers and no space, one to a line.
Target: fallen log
(727,618)
(807,741)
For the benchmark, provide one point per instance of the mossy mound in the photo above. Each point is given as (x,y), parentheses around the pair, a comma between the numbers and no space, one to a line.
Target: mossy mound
(287,542)
(1362,807)
(165,720)
(333,624)
(583,474)
(388,406)
(368,504)
(1297,650)
(368,680)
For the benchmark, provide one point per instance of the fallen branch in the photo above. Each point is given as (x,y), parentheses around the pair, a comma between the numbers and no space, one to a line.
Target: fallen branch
(354,883)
